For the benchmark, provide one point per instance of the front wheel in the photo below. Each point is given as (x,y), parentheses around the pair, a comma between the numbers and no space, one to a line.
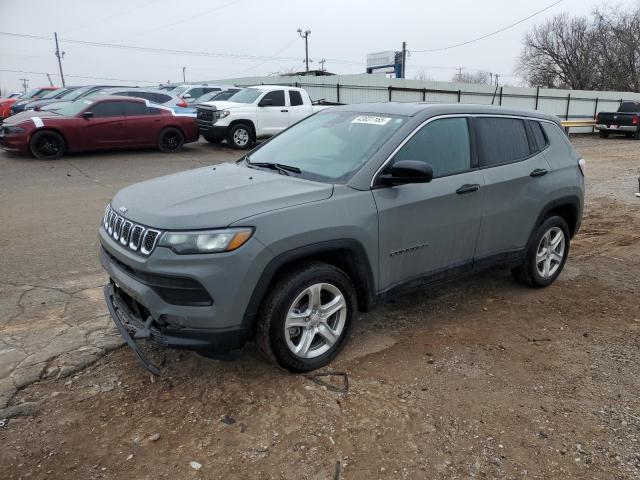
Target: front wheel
(306,317)
(240,136)
(47,145)
(546,255)
(170,140)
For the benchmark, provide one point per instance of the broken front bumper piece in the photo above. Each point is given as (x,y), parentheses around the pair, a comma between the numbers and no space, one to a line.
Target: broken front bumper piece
(130,327)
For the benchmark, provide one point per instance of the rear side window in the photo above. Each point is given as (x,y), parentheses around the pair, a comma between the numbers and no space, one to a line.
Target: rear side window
(538,135)
(109,109)
(501,140)
(295,98)
(629,107)
(444,144)
(277,96)
(137,108)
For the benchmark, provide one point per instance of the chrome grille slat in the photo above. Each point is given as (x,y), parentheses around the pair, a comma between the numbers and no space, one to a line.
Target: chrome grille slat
(129,234)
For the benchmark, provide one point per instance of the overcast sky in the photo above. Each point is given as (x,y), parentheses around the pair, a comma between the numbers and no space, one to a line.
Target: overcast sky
(342,32)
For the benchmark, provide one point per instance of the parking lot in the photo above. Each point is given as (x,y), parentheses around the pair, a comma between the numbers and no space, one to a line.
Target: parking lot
(477,378)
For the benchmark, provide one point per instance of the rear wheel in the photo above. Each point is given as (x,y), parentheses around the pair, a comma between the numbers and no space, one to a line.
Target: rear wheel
(170,140)
(240,136)
(306,317)
(604,134)
(546,254)
(47,145)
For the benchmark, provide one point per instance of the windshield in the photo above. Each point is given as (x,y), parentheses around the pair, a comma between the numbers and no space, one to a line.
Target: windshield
(73,94)
(51,94)
(74,108)
(31,93)
(329,146)
(248,95)
(206,97)
(180,90)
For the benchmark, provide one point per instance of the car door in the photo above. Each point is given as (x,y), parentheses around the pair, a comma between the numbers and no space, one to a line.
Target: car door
(105,128)
(273,114)
(516,184)
(297,109)
(143,123)
(429,228)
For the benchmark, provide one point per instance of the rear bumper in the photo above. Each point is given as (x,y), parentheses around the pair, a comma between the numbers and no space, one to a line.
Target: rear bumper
(616,128)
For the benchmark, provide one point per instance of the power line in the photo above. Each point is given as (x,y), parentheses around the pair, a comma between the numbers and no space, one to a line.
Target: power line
(82,76)
(92,23)
(167,25)
(489,34)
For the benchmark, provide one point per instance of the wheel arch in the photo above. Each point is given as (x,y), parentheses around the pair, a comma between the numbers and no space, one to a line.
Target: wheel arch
(49,129)
(247,122)
(569,208)
(347,254)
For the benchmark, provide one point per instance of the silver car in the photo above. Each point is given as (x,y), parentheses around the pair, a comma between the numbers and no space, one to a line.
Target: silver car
(345,209)
(156,96)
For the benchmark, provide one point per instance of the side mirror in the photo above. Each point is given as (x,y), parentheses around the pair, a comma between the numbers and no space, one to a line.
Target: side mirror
(186,95)
(266,102)
(407,171)
(87,114)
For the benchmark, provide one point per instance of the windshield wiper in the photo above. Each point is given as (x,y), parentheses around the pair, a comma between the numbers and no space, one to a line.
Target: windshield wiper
(283,169)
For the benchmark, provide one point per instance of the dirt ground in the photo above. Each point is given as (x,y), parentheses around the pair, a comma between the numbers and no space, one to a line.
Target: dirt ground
(480,378)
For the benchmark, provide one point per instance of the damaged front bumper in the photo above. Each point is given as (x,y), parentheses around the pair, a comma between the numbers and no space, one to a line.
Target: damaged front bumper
(130,327)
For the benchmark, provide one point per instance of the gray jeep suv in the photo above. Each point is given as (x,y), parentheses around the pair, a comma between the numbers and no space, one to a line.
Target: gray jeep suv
(348,207)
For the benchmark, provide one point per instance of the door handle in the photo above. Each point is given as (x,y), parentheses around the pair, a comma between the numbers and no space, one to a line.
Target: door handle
(468,188)
(284,111)
(539,172)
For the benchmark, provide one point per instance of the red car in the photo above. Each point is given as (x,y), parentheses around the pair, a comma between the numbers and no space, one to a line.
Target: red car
(106,123)
(5,103)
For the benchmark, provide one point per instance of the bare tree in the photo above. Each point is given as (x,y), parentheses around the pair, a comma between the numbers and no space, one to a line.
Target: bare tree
(480,77)
(601,52)
(423,76)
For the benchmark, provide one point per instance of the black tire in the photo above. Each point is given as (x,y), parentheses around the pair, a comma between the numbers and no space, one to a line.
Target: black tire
(213,139)
(528,273)
(47,145)
(604,134)
(636,134)
(271,333)
(630,134)
(170,140)
(240,136)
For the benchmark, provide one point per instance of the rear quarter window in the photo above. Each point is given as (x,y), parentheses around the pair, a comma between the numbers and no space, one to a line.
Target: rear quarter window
(538,135)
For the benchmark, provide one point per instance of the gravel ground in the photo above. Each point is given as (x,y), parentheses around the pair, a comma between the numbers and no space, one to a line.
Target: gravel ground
(477,378)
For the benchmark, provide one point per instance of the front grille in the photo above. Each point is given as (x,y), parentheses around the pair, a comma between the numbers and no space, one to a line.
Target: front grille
(130,235)
(205,114)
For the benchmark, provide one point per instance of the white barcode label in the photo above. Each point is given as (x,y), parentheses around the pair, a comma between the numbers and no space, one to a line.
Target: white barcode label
(371,120)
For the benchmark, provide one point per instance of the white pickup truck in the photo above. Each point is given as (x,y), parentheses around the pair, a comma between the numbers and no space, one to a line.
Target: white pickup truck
(254,112)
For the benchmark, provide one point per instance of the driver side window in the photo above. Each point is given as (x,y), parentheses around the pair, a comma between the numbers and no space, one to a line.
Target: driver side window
(444,144)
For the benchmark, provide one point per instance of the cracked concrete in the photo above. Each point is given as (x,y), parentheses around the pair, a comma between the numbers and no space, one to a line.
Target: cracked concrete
(52,315)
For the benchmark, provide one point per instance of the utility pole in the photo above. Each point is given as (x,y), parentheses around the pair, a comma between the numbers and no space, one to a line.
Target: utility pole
(50,82)
(184,74)
(322,62)
(305,35)
(25,84)
(59,55)
(404,59)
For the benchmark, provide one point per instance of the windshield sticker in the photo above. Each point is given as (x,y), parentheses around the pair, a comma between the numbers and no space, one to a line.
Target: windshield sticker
(37,121)
(371,120)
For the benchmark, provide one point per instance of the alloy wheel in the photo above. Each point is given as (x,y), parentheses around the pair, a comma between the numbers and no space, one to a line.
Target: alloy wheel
(550,252)
(315,320)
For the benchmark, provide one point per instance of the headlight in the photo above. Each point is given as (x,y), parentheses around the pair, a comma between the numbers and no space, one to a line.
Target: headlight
(211,241)
(13,130)
(225,113)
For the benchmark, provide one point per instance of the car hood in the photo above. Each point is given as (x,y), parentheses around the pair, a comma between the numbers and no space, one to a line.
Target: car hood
(214,197)
(224,105)
(27,115)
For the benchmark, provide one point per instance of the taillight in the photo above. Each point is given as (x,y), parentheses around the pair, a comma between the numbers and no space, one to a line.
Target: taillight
(582,165)
(634,120)
(182,104)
